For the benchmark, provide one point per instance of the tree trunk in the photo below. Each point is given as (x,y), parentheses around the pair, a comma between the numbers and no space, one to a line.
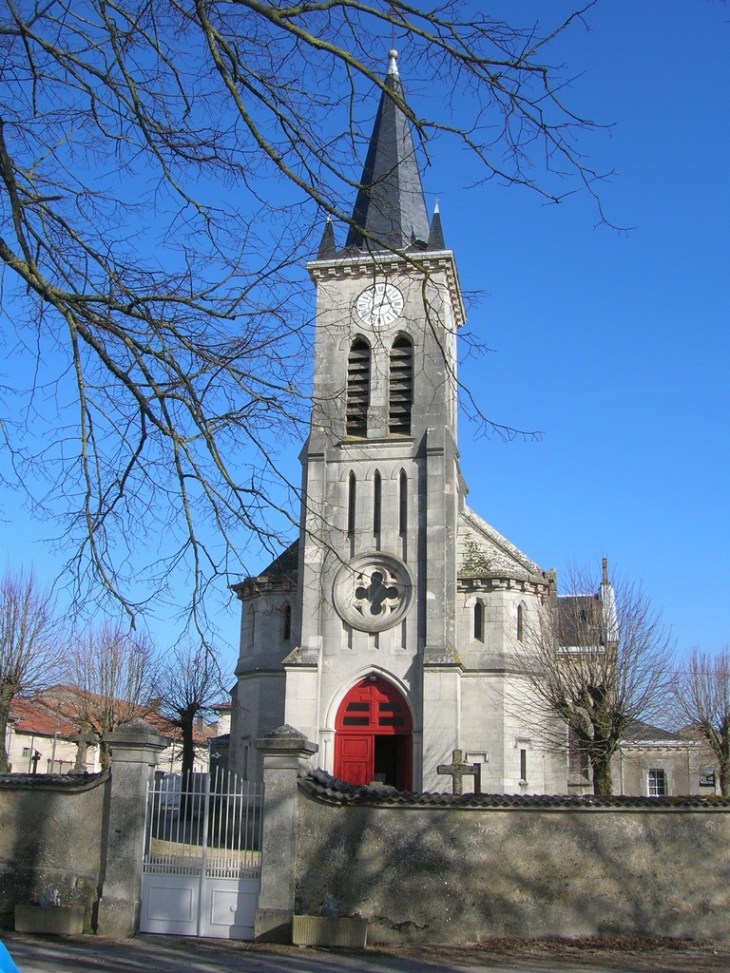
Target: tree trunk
(602,780)
(6,697)
(724,775)
(187,724)
(4,761)
(105,757)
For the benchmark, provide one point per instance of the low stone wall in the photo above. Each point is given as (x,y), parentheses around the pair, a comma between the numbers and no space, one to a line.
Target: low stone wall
(51,831)
(442,869)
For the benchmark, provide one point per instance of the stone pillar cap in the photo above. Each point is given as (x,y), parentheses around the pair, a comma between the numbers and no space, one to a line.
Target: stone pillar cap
(286,738)
(137,733)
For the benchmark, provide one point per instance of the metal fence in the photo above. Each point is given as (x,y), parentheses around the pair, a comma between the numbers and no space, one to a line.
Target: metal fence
(202,859)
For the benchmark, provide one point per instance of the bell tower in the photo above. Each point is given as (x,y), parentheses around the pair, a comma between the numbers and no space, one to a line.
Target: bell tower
(381,483)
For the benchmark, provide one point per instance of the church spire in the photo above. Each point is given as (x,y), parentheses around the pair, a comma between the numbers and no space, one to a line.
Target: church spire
(390,206)
(436,236)
(327,245)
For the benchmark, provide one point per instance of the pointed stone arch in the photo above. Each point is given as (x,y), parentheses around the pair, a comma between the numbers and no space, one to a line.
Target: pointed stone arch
(286,622)
(520,621)
(478,620)
(374,734)
(377,508)
(351,506)
(402,502)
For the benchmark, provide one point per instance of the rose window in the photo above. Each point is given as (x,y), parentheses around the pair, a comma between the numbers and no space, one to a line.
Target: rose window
(372,592)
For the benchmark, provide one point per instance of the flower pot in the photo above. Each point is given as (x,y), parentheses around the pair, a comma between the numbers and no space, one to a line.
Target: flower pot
(55,920)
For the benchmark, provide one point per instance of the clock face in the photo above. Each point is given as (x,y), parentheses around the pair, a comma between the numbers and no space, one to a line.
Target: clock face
(379,304)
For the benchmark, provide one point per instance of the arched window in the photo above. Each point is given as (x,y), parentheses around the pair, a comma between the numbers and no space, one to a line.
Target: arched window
(520,623)
(401,386)
(479,621)
(377,506)
(402,503)
(351,507)
(358,388)
(287,623)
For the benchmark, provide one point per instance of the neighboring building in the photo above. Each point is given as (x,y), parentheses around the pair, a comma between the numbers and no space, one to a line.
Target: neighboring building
(390,632)
(170,760)
(219,744)
(41,740)
(42,735)
(223,718)
(654,762)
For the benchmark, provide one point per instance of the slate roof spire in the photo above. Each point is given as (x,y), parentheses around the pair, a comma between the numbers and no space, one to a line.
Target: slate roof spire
(327,245)
(390,205)
(436,236)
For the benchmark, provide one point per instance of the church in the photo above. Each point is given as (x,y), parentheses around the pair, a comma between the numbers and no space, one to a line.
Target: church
(390,632)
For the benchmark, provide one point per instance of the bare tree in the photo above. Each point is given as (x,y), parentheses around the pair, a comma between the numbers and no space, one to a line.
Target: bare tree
(701,691)
(165,169)
(598,660)
(29,643)
(187,685)
(110,672)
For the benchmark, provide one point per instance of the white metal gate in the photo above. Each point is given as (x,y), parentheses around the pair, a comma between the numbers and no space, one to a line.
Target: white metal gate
(202,861)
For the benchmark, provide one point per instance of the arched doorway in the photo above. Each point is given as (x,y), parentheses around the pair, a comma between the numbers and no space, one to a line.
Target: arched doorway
(373,739)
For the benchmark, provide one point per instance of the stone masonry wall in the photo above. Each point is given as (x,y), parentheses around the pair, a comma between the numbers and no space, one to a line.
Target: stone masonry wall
(465,874)
(50,838)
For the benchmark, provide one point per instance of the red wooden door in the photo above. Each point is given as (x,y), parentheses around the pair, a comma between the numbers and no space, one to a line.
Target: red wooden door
(373,735)
(355,758)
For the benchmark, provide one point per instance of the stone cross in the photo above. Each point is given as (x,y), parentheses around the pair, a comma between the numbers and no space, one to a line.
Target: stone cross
(458,770)
(85,738)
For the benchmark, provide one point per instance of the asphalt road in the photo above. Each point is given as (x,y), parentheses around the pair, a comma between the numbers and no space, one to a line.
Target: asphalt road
(168,954)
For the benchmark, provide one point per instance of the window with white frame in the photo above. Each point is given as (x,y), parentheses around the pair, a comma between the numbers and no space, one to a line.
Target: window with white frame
(578,762)
(656,782)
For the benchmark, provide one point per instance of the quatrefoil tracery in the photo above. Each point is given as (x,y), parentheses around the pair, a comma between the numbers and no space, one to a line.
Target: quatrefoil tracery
(377,597)
(372,593)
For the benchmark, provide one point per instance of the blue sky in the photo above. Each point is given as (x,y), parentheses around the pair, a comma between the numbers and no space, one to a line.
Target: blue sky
(614,344)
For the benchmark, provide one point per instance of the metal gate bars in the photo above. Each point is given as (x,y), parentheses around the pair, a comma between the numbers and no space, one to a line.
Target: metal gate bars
(202,861)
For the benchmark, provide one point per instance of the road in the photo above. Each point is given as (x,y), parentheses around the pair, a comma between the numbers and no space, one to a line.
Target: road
(168,954)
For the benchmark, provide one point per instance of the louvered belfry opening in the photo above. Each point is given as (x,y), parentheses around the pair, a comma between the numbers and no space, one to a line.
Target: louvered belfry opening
(358,388)
(401,386)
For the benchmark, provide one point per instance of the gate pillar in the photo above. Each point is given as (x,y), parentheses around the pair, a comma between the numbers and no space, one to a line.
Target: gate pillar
(135,749)
(286,754)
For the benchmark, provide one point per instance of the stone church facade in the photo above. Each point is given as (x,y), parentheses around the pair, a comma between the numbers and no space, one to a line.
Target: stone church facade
(390,632)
